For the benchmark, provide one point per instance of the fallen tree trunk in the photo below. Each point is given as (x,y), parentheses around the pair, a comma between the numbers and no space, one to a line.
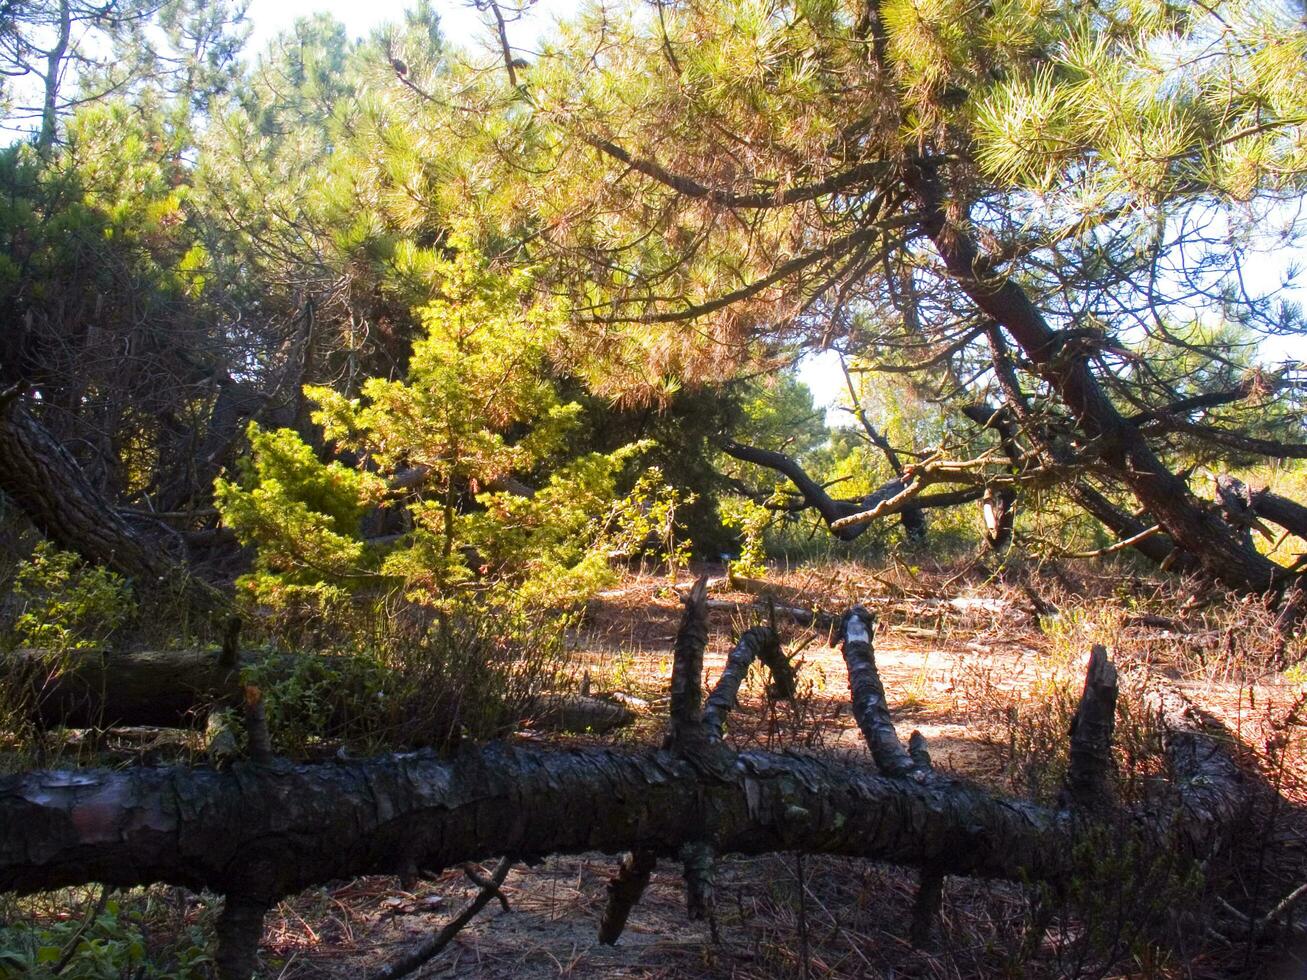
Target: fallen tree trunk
(257,832)
(179,688)
(101,689)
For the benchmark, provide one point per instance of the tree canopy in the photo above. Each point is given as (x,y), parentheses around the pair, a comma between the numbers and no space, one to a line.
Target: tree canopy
(1035,234)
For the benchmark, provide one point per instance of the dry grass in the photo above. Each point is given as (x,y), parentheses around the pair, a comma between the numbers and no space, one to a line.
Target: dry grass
(991,682)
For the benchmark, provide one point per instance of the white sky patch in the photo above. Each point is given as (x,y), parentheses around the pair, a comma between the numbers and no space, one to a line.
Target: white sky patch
(461,23)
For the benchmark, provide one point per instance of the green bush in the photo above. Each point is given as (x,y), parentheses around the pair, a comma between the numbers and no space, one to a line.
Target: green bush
(108,943)
(65,604)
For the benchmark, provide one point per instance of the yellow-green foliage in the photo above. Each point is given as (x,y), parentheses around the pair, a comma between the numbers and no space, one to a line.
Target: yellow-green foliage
(65,603)
(303,516)
(478,413)
(750,520)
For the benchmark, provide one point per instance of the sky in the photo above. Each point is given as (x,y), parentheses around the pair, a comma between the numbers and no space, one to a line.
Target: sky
(461,22)
(468,28)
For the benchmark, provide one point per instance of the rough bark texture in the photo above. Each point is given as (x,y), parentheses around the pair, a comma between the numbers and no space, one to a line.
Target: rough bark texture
(999,511)
(268,831)
(1091,734)
(624,892)
(1157,548)
(1244,506)
(178,689)
(100,689)
(869,706)
(925,909)
(1209,790)
(687,670)
(260,831)
(239,929)
(758,643)
(44,480)
(1122,447)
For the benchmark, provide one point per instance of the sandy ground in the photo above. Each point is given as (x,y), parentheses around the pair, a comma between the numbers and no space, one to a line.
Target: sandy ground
(944,666)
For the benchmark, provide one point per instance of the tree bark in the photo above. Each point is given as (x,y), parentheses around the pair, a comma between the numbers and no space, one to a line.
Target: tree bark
(44,480)
(179,688)
(266,831)
(260,831)
(1157,548)
(1091,735)
(1122,448)
(1244,505)
(833,510)
(101,689)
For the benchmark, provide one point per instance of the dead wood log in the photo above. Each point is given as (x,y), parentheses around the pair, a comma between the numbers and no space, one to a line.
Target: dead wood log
(796,614)
(847,519)
(576,713)
(624,892)
(1157,547)
(1209,794)
(179,689)
(102,688)
(259,831)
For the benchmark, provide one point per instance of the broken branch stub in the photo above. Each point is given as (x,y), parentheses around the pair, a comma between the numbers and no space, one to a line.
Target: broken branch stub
(624,891)
(870,709)
(1092,726)
(757,643)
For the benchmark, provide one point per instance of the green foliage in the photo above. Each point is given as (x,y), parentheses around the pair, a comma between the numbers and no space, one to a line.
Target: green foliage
(304,517)
(645,521)
(750,520)
(1124,903)
(479,409)
(106,944)
(416,679)
(66,604)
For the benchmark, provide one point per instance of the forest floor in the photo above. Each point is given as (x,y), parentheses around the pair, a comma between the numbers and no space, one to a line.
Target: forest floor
(988,672)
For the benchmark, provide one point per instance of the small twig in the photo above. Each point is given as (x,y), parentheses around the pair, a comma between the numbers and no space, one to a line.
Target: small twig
(427,950)
(475,876)
(1256,926)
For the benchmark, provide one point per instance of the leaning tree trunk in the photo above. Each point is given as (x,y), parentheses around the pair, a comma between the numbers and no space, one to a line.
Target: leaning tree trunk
(1124,449)
(258,832)
(44,480)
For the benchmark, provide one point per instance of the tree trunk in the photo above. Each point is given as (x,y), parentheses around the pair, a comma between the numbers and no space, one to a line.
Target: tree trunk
(179,688)
(833,510)
(44,480)
(101,689)
(260,831)
(1123,449)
